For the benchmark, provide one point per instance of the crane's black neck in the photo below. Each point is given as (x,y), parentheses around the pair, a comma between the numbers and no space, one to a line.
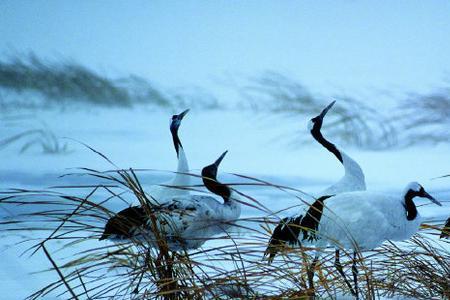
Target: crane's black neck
(317,135)
(176,140)
(209,176)
(411,210)
(311,220)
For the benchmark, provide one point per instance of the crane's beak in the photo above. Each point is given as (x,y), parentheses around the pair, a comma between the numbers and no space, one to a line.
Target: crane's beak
(181,116)
(219,160)
(176,120)
(326,109)
(210,172)
(428,196)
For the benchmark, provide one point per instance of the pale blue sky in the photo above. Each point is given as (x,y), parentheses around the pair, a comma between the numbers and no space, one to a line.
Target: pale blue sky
(349,45)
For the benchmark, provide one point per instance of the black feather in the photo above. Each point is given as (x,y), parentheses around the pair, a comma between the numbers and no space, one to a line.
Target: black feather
(317,135)
(446,230)
(287,231)
(209,176)
(310,223)
(122,224)
(411,209)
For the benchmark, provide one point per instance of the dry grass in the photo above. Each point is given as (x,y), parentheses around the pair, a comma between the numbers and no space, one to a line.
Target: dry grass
(29,134)
(32,82)
(351,121)
(417,119)
(418,268)
(29,81)
(424,118)
(66,229)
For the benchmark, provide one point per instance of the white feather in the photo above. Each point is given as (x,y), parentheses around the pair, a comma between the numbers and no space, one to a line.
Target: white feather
(353,179)
(168,190)
(364,220)
(189,221)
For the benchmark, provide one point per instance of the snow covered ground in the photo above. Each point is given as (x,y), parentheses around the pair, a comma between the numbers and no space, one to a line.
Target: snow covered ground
(257,145)
(380,54)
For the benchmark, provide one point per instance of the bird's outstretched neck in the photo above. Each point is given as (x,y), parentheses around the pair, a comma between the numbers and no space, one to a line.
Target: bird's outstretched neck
(176,142)
(209,176)
(317,134)
(174,125)
(183,167)
(411,210)
(354,177)
(181,178)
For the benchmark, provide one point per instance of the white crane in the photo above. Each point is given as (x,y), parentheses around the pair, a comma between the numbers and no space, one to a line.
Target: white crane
(353,180)
(186,222)
(359,221)
(175,186)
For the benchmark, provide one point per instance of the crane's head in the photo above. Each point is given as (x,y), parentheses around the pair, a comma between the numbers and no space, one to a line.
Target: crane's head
(176,120)
(316,122)
(417,190)
(210,172)
(209,176)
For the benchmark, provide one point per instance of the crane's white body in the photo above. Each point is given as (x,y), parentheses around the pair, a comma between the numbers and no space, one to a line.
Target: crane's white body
(176,186)
(364,220)
(195,220)
(185,222)
(357,220)
(353,179)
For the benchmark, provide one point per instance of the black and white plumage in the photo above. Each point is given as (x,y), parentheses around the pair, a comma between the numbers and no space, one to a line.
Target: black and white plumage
(174,187)
(294,230)
(353,180)
(358,221)
(445,234)
(187,222)
(364,220)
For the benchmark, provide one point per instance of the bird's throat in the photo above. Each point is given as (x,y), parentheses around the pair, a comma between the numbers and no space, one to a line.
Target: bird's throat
(411,210)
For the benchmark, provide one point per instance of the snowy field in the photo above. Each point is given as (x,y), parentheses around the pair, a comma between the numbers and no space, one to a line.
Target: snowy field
(110,75)
(140,138)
